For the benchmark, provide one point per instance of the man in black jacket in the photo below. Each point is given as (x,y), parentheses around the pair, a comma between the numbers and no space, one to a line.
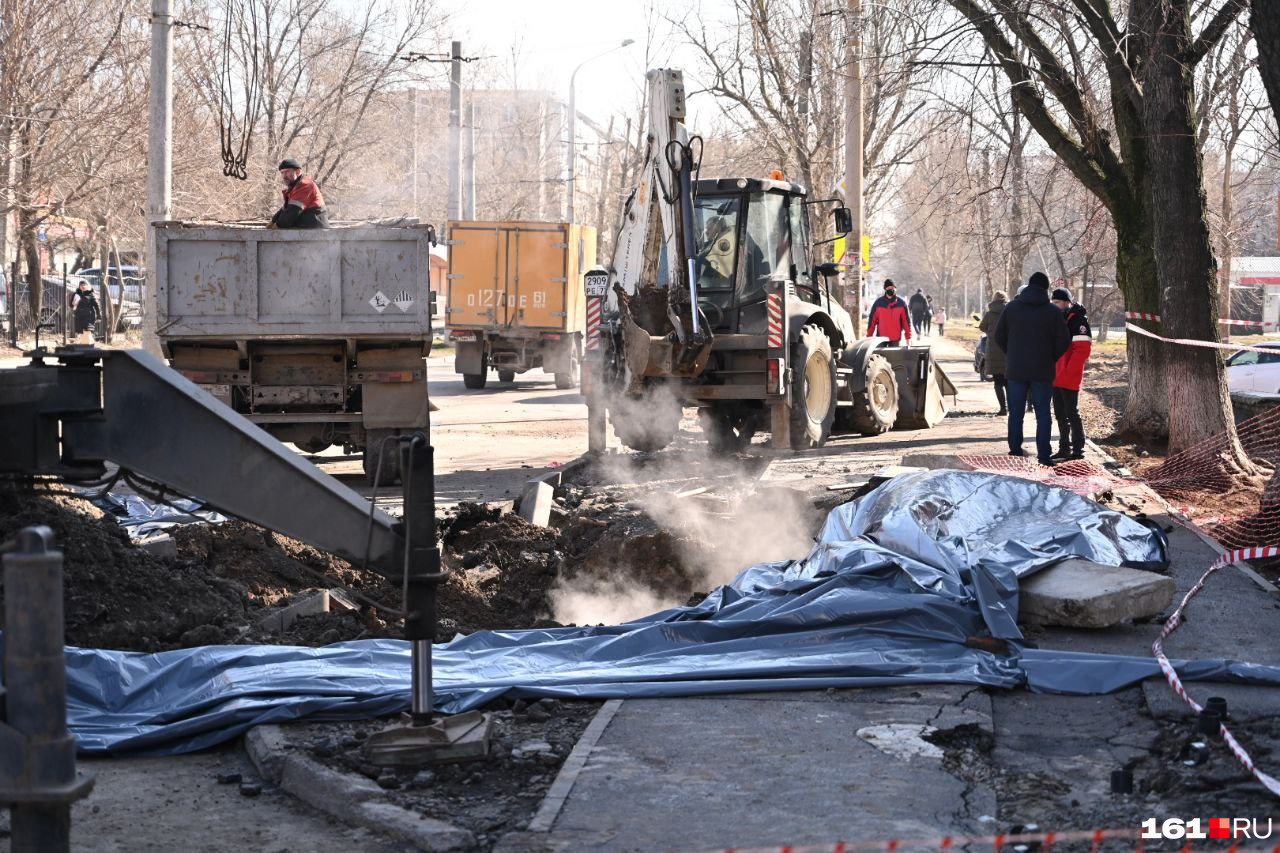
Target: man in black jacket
(1033,334)
(918,305)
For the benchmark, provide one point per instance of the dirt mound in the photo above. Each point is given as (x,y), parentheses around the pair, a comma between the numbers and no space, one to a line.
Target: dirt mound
(227,577)
(116,595)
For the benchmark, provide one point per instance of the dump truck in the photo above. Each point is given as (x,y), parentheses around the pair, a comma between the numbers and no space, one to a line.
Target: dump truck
(714,299)
(317,336)
(515,300)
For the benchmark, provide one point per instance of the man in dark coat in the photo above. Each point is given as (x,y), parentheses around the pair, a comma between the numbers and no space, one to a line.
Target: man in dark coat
(84,312)
(995,355)
(918,305)
(1033,334)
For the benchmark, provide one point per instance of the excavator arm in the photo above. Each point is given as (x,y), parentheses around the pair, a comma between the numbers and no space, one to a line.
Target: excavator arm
(662,330)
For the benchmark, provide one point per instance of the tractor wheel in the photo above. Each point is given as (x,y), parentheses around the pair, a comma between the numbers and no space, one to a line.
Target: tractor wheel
(876,407)
(813,389)
(381,441)
(648,422)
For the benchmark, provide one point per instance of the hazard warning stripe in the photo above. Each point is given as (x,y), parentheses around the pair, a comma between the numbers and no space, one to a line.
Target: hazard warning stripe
(775,336)
(593,322)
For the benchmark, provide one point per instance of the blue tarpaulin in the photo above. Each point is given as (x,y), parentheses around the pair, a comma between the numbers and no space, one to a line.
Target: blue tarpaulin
(895,586)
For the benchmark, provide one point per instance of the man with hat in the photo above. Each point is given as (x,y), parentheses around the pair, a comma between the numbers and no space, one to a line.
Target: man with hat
(889,316)
(1069,376)
(303,204)
(1033,335)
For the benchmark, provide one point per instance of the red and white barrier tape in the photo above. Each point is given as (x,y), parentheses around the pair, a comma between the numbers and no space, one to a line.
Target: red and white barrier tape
(1157,648)
(1155,318)
(994,843)
(1194,343)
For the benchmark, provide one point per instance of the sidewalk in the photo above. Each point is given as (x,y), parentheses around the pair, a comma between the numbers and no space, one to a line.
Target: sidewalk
(849,765)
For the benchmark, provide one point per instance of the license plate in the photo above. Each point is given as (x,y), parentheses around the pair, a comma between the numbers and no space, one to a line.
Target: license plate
(597,285)
(464,336)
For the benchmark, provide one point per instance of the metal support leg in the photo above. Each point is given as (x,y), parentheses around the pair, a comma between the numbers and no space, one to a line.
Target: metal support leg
(37,756)
(422,567)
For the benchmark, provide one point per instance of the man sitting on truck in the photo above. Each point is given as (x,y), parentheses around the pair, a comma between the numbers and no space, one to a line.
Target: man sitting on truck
(303,204)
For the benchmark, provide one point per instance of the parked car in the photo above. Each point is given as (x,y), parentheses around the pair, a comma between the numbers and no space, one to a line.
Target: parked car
(1250,370)
(57,303)
(980,359)
(135,280)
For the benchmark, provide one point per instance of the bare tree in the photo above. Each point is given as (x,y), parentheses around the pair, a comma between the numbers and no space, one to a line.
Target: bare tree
(1049,51)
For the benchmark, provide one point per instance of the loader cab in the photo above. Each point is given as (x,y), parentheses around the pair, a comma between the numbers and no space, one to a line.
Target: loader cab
(748,233)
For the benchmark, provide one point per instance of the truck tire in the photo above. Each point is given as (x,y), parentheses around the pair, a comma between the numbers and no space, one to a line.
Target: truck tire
(380,440)
(726,432)
(506,376)
(571,378)
(476,381)
(876,407)
(646,423)
(813,389)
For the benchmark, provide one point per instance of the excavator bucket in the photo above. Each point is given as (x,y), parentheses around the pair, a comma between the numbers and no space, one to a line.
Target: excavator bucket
(652,347)
(923,387)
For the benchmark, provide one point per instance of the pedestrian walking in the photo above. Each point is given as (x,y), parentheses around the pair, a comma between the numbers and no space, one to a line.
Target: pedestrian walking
(928,315)
(995,362)
(84,312)
(1033,334)
(917,306)
(889,316)
(1069,376)
(941,317)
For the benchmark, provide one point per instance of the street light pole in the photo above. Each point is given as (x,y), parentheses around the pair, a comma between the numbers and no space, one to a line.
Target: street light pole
(159,158)
(571,155)
(852,285)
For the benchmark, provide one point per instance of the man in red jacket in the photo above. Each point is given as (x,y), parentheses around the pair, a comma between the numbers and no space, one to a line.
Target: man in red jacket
(303,203)
(889,317)
(1069,376)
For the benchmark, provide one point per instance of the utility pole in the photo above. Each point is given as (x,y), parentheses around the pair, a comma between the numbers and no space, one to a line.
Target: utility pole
(851,286)
(455,133)
(159,157)
(469,163)
(413,149)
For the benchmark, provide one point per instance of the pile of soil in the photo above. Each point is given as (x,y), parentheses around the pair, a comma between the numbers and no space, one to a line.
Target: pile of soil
(227,577)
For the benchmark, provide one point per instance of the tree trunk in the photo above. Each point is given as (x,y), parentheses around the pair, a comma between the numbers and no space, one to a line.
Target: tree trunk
(1146,410)
(31,255)
(1199,406)
(1265,22)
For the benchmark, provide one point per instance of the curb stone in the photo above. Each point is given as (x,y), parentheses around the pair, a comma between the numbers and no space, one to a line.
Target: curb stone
(349,798)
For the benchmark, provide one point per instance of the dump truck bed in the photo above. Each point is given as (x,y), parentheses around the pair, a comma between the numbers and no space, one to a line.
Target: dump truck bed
(243,282)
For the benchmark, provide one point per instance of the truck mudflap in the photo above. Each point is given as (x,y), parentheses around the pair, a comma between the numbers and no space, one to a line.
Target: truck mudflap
(923,387)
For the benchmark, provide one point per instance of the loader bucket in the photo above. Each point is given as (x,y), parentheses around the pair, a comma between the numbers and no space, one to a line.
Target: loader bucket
(923,387)
(650,344)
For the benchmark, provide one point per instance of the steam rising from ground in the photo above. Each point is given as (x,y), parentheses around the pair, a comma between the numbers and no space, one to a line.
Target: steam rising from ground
(736,523)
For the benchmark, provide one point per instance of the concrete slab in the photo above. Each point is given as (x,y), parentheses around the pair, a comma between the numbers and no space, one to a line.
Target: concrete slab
(1083,594)
(282,620)
(536,502)
(160,545)
(888,472)
(935,461)
(812,779)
